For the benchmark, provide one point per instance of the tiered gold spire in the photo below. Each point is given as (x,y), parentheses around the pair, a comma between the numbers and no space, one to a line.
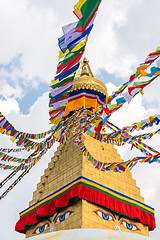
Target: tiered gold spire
(85,79)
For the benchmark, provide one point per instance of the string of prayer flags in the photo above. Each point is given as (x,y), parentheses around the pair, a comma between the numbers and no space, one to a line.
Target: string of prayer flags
(126,138)
(31,145)
(14,184)
(80,137)
(149,122)
(7,128)
(26,169)
(145,74)
(144,148)
(8,150)
(45,145)
(148,147)
(72,46)
(132,87)
(8,158)
(115,166)
(12,174)
(15,168)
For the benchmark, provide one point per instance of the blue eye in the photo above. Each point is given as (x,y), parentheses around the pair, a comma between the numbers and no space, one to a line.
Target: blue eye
(105,216)
(41,229)
(129,226)
(63,217)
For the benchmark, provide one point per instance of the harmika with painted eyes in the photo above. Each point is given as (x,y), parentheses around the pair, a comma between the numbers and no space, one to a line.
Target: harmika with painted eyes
(99,216)
(47,225)
(119,220)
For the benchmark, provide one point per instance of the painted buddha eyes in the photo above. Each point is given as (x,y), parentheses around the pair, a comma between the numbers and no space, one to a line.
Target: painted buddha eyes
(109,217)
(41,229)
(101,214)
(60,218)
(129,226)
(63,217)
(105,216)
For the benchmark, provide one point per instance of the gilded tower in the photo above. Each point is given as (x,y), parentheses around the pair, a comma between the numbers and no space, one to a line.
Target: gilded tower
(73,194)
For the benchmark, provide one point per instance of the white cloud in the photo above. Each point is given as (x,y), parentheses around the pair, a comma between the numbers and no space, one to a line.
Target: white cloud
(124,33)
(37,120)
(152,96)
(8,106)
(29,31)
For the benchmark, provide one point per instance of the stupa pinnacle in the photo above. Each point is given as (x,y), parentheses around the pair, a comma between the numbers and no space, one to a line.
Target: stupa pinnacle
(87,91)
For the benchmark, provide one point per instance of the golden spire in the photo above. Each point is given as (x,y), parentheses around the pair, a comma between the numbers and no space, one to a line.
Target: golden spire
(85,79)
(84,69)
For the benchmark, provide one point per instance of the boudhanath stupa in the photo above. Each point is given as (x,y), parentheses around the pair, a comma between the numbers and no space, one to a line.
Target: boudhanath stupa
(73,199)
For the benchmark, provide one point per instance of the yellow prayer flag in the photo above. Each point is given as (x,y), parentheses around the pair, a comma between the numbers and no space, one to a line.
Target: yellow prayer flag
(56,133)
(141,91)
(54,81)
(12,139)
(158,48)
(55,121)
(128,170)
(80,45)
(76,48)
(151,118)
(79,5)
(125,164)
(51,109)
(8,133)
(62,55)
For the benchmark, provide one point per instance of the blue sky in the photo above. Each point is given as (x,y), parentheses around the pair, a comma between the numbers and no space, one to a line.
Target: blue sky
(28,92)
(125,32)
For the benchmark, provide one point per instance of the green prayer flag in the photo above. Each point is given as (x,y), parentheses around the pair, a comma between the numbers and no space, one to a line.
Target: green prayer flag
(63,82)
(71,55)
(87,10)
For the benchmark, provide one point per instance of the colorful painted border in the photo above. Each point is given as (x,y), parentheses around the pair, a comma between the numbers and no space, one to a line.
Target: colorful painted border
(91,184)
(87,189)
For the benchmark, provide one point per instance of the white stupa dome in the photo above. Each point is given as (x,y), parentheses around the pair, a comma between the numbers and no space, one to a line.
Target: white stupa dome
(90,234)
